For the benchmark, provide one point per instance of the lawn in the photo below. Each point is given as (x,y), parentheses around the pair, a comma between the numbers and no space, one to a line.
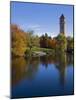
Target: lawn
(38,49)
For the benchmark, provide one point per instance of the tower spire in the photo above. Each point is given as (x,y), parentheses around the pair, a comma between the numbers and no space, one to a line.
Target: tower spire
(62,24)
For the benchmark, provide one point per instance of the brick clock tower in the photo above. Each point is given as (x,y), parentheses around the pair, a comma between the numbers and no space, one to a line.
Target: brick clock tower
(62,24)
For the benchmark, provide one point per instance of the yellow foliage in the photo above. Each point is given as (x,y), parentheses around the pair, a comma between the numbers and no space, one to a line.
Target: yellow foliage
(19,42)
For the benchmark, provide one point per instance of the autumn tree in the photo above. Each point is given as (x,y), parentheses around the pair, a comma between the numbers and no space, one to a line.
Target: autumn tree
(19,42)
(52,43)
(44,41)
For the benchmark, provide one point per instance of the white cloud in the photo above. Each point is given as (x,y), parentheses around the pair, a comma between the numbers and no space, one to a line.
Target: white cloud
(37,30)
(34,27)
(49,34)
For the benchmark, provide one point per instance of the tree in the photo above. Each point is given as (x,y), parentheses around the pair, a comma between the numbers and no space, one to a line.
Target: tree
(61,44)
(70,42)
(52,43)
(36,41)
(44,41)
(29,38)
(19,42)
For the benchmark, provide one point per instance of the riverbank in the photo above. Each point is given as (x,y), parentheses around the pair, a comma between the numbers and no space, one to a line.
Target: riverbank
(37,51)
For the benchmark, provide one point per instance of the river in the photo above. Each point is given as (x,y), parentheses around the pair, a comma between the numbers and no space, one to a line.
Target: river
(42,76)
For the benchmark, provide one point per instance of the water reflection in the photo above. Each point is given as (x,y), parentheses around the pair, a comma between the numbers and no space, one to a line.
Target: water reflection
(61,64)
(33,68)
(23,68)
(45,60)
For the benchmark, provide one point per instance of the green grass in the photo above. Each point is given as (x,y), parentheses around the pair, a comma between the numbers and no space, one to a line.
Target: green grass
(29,53)
(47,50)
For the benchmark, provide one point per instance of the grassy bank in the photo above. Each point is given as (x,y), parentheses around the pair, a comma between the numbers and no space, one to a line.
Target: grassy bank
(34,50)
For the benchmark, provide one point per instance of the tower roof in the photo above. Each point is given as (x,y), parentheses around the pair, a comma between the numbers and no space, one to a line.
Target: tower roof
(62,16)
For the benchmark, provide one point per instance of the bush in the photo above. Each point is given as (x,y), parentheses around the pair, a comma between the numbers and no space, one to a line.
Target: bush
(27,53)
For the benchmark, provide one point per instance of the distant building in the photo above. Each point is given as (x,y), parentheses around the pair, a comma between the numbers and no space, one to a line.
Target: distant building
(62,24)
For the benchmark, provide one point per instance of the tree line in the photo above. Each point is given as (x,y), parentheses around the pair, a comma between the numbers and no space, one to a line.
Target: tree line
(22,41)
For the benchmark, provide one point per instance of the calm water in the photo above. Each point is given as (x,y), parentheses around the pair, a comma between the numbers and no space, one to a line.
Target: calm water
(42,76)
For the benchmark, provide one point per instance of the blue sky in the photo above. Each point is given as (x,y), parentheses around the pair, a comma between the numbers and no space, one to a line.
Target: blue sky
(42,18)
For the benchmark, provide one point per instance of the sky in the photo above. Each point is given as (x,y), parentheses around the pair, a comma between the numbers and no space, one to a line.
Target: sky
(42,18)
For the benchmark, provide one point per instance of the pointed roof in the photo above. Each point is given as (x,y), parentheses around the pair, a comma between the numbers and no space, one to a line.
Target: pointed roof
(62,16)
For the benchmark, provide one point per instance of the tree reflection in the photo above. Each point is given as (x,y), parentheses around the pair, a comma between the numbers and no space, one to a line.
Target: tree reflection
(33,63)
(23,68)
(63,60)
(19,67)
(45,60)
(70,59)
(59,60)
(27,68)
(61,63)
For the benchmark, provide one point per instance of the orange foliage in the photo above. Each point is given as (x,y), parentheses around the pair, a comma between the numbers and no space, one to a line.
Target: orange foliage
(52,43)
